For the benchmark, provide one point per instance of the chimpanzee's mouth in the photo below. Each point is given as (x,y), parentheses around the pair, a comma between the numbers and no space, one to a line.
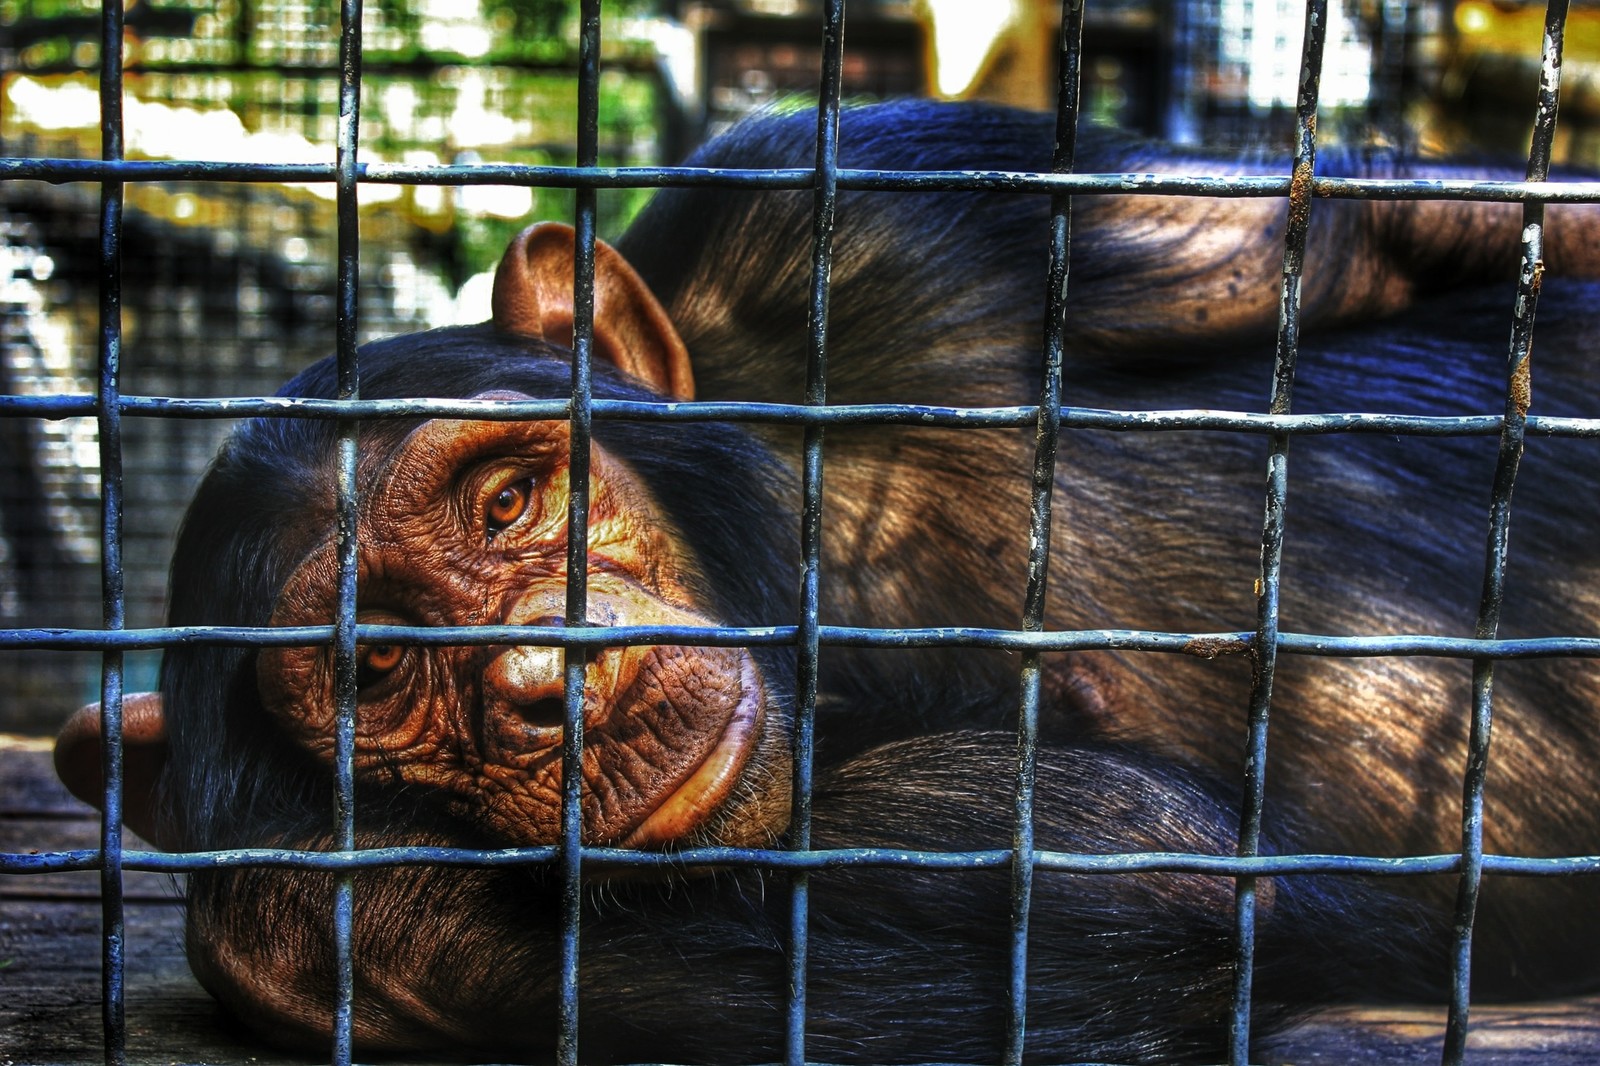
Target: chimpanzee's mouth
(707,787)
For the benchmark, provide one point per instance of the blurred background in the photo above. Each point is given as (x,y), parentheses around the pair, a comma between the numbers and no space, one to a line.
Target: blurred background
(228,288)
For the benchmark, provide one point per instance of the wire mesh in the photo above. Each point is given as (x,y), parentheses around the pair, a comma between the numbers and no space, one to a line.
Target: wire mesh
(1050,417)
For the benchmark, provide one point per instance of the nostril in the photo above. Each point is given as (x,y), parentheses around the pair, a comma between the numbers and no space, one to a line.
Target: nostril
(546,713)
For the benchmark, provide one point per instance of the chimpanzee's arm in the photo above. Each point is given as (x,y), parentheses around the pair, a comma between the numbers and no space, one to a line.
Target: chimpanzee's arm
(963,273)
(1161,272)
(905,965)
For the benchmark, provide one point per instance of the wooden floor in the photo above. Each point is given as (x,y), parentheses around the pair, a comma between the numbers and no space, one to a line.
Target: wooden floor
(50,969)
(50,942)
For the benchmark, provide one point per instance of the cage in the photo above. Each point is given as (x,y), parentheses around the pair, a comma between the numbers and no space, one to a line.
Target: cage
(233,272)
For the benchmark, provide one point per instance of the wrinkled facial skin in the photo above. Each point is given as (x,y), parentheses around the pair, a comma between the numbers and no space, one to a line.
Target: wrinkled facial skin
(466,525)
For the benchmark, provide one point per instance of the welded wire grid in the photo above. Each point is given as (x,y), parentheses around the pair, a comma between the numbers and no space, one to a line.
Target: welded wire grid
(1049,417)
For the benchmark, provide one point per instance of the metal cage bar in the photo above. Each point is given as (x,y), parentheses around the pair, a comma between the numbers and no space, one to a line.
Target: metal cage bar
(580,421)
(67,406)
(108,409)
(1047,437)
(824,202)
(645,177)
(1264,646)
(1509,460)
(346,502)
(789,859)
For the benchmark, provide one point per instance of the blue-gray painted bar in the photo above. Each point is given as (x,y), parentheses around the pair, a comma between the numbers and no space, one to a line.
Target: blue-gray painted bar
(1264,649)
(1046,441)
(1087,184)
(345,506)
(1205,645)
(824,203)
(580,420)
(1132,862)
(1507,464)
(113,606)
(1485,425)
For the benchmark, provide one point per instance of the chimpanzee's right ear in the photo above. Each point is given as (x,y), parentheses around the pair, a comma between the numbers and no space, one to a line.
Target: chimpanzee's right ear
(533,297)
(144,754)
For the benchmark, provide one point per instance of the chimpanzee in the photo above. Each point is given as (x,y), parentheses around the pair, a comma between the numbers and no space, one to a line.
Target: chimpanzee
(936,298)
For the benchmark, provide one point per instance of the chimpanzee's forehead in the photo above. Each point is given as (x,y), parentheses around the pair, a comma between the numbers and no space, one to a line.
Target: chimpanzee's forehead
(448,363)
(458,362)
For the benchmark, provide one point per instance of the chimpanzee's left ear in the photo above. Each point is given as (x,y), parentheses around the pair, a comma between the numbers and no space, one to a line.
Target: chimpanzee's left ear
(533,297)
(144,754)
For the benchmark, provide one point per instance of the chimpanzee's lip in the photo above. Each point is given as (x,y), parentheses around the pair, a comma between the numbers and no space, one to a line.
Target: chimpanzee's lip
(708,787)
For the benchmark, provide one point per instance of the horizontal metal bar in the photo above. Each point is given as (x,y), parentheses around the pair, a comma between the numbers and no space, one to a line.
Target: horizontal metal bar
(1236,186)
(60,171)
(565,177)
(84,405)
(312,636)
(1204,645)
(818,859)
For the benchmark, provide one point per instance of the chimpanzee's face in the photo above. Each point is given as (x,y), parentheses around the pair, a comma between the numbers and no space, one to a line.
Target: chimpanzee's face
(466,524)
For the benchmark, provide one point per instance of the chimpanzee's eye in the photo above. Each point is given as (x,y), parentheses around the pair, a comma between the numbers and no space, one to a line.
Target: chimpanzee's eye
(375,661)
(507,505)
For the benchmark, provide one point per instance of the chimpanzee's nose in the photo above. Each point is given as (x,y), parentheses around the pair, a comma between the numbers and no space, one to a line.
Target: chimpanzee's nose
(528,682)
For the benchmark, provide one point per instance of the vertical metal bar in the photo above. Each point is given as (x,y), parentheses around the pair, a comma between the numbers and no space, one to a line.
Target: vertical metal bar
(1264,659)
(1047,437)
(113,604)
(1519,391)
(825,198)
(578,533)
(349,388)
